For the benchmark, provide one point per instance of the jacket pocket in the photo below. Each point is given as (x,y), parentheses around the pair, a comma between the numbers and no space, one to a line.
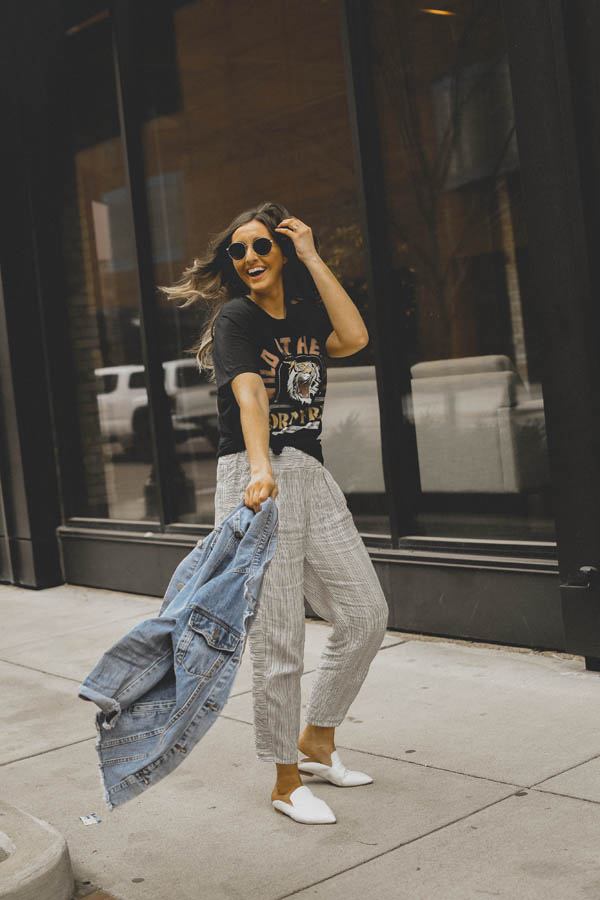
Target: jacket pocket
(206,644)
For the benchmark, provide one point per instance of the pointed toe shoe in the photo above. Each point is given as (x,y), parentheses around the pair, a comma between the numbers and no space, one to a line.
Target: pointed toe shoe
(306,808)
(336,773)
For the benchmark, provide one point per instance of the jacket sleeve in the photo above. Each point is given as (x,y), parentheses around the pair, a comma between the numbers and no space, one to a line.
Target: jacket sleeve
(130,668)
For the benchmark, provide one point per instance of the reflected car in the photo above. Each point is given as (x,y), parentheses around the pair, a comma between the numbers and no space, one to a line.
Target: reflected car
(351,436)
(351,433)
(123,406)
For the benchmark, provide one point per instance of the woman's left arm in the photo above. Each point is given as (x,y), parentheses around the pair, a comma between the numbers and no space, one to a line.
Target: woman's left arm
(349,331)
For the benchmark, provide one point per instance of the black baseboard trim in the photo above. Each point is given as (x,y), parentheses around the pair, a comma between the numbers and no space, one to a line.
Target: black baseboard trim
(503,600)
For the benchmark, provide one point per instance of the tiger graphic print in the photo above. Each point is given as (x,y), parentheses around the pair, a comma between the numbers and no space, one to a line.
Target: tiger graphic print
(303,381)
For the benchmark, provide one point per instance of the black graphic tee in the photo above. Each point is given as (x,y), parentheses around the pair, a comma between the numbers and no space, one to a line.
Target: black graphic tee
(289,354)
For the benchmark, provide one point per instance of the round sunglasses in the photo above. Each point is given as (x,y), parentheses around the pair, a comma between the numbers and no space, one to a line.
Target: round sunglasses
(261,245)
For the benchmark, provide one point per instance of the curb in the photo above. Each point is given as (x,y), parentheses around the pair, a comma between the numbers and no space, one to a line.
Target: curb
(34,858)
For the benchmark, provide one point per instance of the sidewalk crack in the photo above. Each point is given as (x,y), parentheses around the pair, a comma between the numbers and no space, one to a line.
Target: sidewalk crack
(566,796)
(414,762)
(397,847)
(122,618)
(11,662)
(9,762)
(564,771)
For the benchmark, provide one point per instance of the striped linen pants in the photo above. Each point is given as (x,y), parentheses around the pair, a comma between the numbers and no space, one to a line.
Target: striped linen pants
(321,556)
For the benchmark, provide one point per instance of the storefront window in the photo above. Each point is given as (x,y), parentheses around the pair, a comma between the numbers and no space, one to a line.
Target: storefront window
(102,293)
(458,240)
(257,110)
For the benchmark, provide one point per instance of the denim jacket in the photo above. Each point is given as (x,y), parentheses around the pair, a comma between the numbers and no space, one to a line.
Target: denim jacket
(162,685)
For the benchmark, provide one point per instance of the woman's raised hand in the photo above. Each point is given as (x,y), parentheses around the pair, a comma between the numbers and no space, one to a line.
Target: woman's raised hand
(260,486)
(301,236)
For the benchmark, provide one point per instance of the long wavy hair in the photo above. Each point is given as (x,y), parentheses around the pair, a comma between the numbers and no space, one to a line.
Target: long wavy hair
(211,279)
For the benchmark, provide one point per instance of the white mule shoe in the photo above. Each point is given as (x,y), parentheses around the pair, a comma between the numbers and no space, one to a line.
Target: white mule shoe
(336,773)
(306,808)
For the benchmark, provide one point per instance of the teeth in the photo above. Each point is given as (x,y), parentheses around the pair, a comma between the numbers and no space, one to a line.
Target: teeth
(254,271)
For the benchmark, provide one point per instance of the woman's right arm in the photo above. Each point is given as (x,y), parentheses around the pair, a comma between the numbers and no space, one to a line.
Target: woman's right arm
(249,391)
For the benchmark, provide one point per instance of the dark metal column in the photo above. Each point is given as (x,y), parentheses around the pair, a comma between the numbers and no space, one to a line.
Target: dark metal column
(27,458)
(8,565)
(558,168)
(399,452)
(164,479)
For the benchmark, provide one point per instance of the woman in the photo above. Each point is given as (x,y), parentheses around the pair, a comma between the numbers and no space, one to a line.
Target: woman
(269,338)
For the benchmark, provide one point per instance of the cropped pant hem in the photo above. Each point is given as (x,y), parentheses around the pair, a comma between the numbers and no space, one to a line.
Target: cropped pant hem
(278,762)
(326,724)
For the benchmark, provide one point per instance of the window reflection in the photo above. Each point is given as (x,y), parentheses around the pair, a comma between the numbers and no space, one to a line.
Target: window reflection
(478,428)
(264,118)
(102,294)
(459,257)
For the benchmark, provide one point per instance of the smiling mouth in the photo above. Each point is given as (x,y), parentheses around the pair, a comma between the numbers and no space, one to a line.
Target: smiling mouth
(256,273)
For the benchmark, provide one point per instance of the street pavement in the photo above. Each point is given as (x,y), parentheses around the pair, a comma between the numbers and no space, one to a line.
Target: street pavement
(486,767)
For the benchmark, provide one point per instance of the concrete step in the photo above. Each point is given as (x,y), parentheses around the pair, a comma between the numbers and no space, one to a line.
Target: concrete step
(34,858)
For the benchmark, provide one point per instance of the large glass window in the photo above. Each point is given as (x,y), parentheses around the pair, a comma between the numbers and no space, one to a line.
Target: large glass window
(256,109)
(101,288)
(456,229)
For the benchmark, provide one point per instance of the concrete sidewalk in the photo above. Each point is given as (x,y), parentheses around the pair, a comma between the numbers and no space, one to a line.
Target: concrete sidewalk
(486,766)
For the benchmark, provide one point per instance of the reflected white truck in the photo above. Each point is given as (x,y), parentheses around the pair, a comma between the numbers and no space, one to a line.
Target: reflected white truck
(351,436)
(123,404)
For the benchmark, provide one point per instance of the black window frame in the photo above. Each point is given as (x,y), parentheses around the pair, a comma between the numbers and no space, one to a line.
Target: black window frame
(399,457)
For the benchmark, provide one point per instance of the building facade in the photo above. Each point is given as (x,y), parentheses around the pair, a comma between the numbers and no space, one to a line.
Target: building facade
(445,159)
